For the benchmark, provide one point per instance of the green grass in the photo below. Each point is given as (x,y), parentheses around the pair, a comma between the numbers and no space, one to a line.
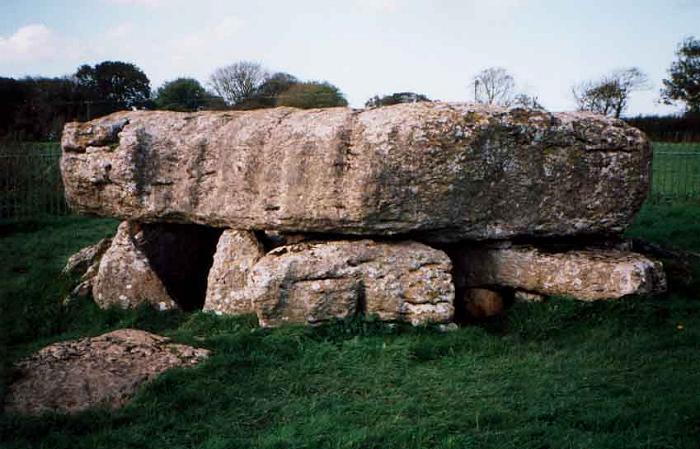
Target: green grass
(560,374)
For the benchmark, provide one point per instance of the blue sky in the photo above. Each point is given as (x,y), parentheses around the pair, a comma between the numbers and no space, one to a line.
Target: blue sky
(365,47)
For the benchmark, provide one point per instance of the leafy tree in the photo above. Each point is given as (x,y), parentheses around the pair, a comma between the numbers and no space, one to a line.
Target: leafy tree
(395,98)
(37,108)
(113,86)
(182,94)
(238,82)
(609,95)
(265,96)
(312,95)
(683,83)
(13,94)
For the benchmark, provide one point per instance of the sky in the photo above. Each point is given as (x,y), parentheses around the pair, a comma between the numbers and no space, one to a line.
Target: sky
(365,47)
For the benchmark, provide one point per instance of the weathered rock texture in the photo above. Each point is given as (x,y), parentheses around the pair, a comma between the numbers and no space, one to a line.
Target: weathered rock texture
(102,371)
(125,277)
(583,274)
(315,282)
(80,262)
(445,171)
(236,253)
(482,303)
(163,265)
(85,263)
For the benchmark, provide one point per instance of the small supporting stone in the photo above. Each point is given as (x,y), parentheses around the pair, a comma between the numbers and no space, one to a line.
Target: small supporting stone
(482,303)
(587,275)
(85,263)
(523,296)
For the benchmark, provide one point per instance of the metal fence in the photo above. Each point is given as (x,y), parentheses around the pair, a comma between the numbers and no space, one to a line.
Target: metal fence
(30,180)
(675,172)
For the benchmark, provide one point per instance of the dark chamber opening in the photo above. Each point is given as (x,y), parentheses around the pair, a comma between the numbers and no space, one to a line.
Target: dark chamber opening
(181,255)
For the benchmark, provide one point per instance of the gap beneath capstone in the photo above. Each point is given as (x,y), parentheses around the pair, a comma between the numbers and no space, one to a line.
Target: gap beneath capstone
(181,255)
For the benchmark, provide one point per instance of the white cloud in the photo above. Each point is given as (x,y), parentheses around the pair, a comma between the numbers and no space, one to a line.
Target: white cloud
(378,6)
(28,43)
(207,41)
(136,2)
(119,31)
(228,27)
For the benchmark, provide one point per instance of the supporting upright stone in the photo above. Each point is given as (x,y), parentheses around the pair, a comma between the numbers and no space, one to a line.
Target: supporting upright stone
(125,277)
(315,282)
(236,254)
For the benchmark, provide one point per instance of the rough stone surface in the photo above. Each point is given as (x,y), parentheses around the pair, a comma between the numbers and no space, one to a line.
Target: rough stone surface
(80,262)
(482,303)
(446,172)
(315,282)
(523,296)
(85,263)
(105,371)
(236,253)
(125,277)
(582,274)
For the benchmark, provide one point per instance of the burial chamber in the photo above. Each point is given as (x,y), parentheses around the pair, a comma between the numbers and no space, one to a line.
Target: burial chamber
(313,215)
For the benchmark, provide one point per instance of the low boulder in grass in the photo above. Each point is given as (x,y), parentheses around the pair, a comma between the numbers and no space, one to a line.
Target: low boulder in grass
(106,371)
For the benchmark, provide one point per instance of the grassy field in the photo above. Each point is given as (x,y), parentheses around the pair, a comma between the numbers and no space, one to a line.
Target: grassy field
(560,374)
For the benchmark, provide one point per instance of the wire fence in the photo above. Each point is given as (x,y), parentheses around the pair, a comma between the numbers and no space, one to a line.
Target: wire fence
(30,181)
(31,187)
(675,172)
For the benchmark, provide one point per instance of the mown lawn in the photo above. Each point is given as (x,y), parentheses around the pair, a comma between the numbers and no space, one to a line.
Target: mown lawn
(561,374)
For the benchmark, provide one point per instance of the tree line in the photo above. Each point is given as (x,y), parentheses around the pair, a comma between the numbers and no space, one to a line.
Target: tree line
(37,108)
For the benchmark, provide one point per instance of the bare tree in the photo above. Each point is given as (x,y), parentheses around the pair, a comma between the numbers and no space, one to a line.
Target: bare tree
(610,95)
(494,85)
(239,81)
(523,100)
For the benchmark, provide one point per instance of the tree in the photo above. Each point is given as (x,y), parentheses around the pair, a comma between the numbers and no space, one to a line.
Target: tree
(113,86)
(13,94)
(527,101)
(610,95)
(182,94)
(312,95)
(395,98)
(494,85)
(265,96)
(683,83)
(37,108)
(238,82)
